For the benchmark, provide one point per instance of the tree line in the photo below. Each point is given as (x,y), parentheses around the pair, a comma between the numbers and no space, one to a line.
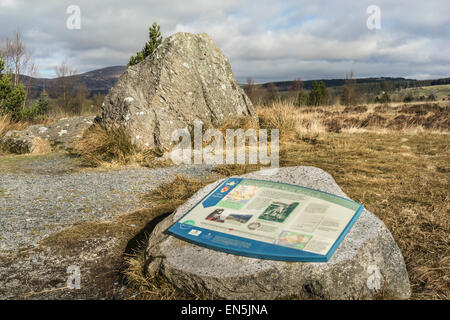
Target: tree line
(318,95)
(73,98)
(66,97)
(349,91)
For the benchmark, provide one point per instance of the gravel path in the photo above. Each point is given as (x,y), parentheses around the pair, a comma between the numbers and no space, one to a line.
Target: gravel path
(44,196)
(41,195)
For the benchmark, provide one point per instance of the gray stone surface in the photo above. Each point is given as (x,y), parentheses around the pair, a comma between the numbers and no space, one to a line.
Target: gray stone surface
(42,138)
(186,78)
(367,265)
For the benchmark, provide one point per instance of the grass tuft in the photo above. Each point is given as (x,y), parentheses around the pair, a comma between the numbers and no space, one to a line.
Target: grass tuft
(100,144)
(180,188)
(143,287)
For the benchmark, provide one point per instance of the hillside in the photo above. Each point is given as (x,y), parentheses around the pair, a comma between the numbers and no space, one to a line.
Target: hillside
(364,85)
(439,91)
(102,80)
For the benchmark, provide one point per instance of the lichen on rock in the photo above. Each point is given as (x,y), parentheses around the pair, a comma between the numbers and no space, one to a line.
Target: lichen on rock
(186,78)
(43,138)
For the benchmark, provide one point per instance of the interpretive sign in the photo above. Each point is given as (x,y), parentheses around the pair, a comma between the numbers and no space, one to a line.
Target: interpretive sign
(269,220)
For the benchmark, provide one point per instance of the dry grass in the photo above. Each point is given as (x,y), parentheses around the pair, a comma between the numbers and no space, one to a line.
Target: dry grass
(226,170)
(145,288)
(431,117)
(239,123)
(124,227)
(6,124)
(113,147)
(100,145)
(284,117)
(180,188)
(170,194)
(57,112)
(163,200)
(295,122)
(110,267)
(404,180)
(401,174)
(392,158)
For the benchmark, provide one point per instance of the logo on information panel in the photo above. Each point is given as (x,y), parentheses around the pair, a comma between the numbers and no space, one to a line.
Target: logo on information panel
(195,232)
(187,224)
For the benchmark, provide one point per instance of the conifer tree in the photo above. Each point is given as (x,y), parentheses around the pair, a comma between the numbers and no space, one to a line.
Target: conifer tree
(318,95)
(42,103)
(155,39)
(11,97)
(302,98)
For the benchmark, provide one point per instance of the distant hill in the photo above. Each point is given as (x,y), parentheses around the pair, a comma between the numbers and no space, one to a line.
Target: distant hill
(362,83)
(96,81)
(102,80)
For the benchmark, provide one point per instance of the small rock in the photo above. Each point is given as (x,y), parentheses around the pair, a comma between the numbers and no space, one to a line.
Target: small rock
(39,139)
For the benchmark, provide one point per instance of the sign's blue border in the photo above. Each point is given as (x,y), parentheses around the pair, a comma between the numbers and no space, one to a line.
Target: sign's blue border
(251,248)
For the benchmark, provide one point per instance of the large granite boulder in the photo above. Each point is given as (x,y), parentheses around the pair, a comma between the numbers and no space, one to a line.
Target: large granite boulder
(186,78)
(367,265)
(43,138)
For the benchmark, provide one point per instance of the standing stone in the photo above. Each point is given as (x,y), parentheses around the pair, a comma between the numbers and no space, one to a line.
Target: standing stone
(186,78)
(367,264)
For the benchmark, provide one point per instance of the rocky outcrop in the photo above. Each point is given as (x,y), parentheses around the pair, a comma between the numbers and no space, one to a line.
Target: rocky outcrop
(186,78)
(367,265)
(42,138)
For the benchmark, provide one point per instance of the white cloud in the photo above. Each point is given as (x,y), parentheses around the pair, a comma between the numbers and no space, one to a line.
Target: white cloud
(267,40)
(8,3)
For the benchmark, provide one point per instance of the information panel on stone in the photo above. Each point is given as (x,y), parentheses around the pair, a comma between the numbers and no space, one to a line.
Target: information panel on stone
(269,220)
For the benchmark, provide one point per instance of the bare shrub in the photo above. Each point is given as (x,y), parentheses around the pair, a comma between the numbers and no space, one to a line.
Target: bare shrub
(349,95)
(250,89)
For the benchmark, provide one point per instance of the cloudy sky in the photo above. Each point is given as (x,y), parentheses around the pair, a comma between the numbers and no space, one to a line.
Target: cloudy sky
(266,40)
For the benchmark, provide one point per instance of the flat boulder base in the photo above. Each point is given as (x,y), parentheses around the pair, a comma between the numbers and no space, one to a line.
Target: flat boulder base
(42,138)
(367,265)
